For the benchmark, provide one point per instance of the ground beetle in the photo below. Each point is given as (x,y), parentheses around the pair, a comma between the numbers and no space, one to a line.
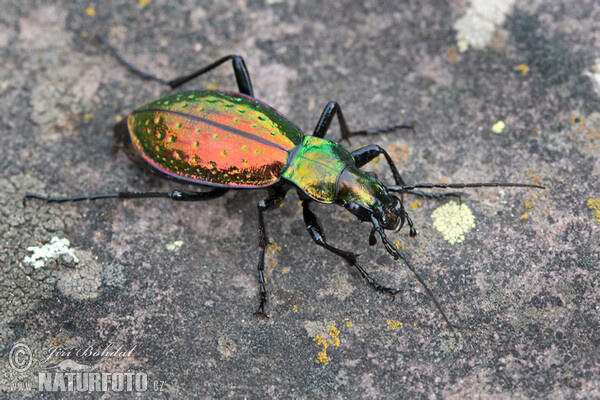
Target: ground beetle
(227,140)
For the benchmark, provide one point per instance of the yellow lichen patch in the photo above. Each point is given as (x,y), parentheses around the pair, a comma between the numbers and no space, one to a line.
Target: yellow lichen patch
(213,85)
(462,45)
(174,246)
(415,204)
(349,324)
(285,270)
(295,308)
(332,340)
(143,3)
(375,163)
(399,246)
(594,205)
(453,221)
(273,247)
(528,207)
(393,325)
(523,68)
(90,11)
(498,127)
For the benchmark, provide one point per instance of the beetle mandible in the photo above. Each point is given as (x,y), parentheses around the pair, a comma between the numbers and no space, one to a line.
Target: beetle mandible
(228,140)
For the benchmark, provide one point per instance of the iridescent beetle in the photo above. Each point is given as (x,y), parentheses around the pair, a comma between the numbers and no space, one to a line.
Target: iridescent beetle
(227,140)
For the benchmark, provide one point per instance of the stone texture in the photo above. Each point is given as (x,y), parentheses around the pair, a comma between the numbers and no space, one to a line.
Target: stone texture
(522,286)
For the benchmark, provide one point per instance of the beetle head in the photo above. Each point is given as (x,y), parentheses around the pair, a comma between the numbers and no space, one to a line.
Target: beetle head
(366,197)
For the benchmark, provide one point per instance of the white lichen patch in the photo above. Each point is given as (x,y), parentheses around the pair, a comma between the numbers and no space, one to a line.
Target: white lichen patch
(481,20)
(454,221)
(594,74)
(55,248)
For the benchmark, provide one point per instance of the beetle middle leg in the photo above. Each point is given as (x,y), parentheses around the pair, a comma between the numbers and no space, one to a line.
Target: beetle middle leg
(333,108)
(315,230)
(268,203)
(242,76)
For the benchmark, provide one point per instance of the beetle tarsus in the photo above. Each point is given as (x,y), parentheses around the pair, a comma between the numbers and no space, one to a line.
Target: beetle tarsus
(261,312)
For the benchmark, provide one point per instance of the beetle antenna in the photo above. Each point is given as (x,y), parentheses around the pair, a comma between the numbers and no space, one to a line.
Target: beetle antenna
(396,254)
(405,188)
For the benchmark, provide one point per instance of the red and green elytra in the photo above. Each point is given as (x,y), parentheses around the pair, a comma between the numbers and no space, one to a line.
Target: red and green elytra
(231,140)
(226,140)
(213,138)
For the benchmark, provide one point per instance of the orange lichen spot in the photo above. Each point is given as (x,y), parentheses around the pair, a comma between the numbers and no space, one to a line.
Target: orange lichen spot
(498,40)
(523,68)
(90,11)
(452,54)
(535,178)
(594,205)
(332,340)
(393,325)
(400,152)
(144,3)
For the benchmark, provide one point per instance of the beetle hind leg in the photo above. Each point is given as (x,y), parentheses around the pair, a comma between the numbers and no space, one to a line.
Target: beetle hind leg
(176,195)
(242,76)
(315,230)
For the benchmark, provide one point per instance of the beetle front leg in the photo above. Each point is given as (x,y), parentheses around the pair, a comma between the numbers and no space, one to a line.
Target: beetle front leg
(332,109)
(268,203)
(315,230)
